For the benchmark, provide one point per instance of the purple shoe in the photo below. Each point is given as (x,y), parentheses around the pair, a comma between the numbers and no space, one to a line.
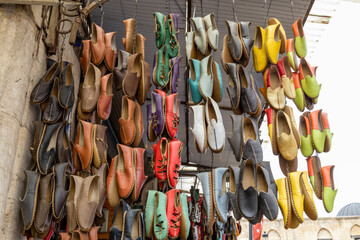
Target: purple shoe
(174,74)
(175,20)
(157,114)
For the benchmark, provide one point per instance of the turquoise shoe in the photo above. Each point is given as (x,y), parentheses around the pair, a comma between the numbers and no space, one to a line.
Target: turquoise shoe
(194,80)
(162,68)
(159,29)
(184,219)
(161,226)
(150,213)
(171,42)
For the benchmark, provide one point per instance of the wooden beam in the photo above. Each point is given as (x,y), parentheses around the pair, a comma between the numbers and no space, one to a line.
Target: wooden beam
(31,2)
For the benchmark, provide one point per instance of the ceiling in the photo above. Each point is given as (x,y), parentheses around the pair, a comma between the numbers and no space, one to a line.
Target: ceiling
(246,10)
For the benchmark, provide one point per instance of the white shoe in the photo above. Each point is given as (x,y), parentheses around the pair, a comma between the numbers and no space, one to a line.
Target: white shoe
(215,126)
(200,34)
(199,130)
(190,46)
(206,82)
(211,31)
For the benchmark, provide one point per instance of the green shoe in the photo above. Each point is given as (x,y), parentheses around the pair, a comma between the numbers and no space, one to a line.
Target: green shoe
(184,219)
(306,146)
(329,191)
(159,29)
(162,68)
(161,226)
(317,133)
(299,99)
(308,80)
(171,42)
(326,130)
(149,213)
(300,40)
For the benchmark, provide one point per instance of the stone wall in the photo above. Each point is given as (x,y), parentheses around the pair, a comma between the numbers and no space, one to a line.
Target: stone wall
(22,63)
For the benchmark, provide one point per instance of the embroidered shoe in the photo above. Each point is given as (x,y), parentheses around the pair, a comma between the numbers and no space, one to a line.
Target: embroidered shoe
(173,212)
(161,155)
(172,114)
(174,162)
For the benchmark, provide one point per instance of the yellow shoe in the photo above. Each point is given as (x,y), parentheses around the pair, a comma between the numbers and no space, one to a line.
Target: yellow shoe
(273,43)
(309,205)
(296,195)
(274,21)
(259,52)
(284,200)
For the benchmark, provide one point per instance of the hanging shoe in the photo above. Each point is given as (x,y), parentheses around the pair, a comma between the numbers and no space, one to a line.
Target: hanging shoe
(173,212)
(102,172)
(234,88)
(274,21)
(309,205)
(272,184)
(306,146)
(121,68)
(185,224)
(315,176)
(326,131)
(150,208)
(53,110)
(90,89)
(296,195)
(140,45)
(259,52)
(99,143)
(161,226)
(60,191)
(218,84)
(199,129)
(140,177)
(111,183)
(64,147)
(308,80)
(273,43)
(211,31)
(285,138)
(289,111)
(79,235)
(97,44)
(247,43)
(134,225)
(125,172)
(75,187)
(236,139)
(110,50)
(299,99)
(131,80)
(66,94)
(200,38)
(174,23)
(275,91)
(174,73)
(118,222)
(290,52)
(159,29)
(83,146)
(85,56)
(249,98)
(171,43)
(286,77)
(162,68)
(221,200)
(64,236)
(190,46)
(172,114)
(144,84)
(288,166)
(206,82)
(226,54)
(232,193)
(194,78)
(328,192)
(127,124)
(300,40)
(106,95)
(128,41)
(215,126)
(157,114)
(208,202)
(235,44)
(284,200)
(318,135)
(161,154)
(139,130)
(271,121)
(250,143)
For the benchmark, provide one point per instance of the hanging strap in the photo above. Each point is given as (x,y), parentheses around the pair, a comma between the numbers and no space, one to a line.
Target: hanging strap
(234,12)
(292,9)
(194,9)
(102,12)
(135,16)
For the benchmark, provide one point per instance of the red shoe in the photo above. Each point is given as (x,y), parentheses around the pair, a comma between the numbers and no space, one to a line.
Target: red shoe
(175,150)
(173,212)
(271,115)
(161,93)
(172,114)
(161,153)
(140,177)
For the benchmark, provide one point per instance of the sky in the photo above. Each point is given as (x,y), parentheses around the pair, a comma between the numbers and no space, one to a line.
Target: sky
(337,58)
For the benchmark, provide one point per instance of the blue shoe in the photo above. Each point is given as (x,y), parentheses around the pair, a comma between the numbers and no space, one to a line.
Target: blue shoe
(194,78)
(221,200)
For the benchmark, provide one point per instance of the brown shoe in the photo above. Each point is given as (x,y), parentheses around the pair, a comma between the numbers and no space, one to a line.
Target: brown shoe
(99,143)
(111,184)
(139,130)
(102,173)
(97,44)
(120,69)
(140,177)
(87,203)
(125,174)
(71,202)
(79,235)
(90,89)
(82,115)
(127,125)
(93,233)
(84,148)
(140,45)
(133,74)
(86,55)
(106,95)
(128,41)
(144,84)
(110,50)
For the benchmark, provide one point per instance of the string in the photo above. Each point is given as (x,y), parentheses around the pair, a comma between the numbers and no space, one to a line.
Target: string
(194,9)
(201,7)
(234,12)
(135,16)
(292,9)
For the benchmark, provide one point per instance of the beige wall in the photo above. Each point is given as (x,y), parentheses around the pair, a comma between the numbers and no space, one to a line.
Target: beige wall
(22,63)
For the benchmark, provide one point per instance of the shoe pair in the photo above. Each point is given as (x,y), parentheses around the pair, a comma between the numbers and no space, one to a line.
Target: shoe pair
(322,181)
(237,44)
(131,125)
(167,157)
(170,221)
(127,223)
(243,91)
(283,132)
(295,197)
(206,34)
(80,235)
(315,133)
(205,79)
(90,147)
(95,92)
(166,29)
(245,142)
(211,133)
(163,111)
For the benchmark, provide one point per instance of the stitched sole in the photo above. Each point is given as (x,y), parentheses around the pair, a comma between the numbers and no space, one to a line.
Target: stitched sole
(38,149)
(35,205)
(292,201)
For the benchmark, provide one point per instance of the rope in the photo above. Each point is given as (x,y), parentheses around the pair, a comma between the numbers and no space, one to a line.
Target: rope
(234,12)
(292,9)
(201,7)
(102,12)
(135,16)
(194,9)
(168,6)
(266,11)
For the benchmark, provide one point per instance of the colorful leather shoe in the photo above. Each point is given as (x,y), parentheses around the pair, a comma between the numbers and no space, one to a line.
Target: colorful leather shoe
(264,88)
(76,183)
(121,68)
(318,135)
(66,94)
(250,143)
(207,185)
(271,121)
(234,173)
(190,46)
(90,89)
(99,144)
(267,199)
(128,41)
(194,78)
(161,226)
(211,31)
(151,205)
(308,80)
(306,146)
(284,200)
(290,52)
(275,90)
(162,68)
(85,55)
(236,138)
(157,113)
(144,84)
(215,126)
(171,43)
(221,200)
(131,80)
(206,82)
(273,43)
(140,177)
(234,88)
(102,173)
(199,129)
(173,212)
(326,131)
(111,183)
(139,129)
(172,114)
(106,95)
(259,52)
(125,172)
(118,222)
(309,205)
(127,124)
(289,111)
(174,162)
(159,29)
(286,77)
(161,154)
(200,39)
(249,98)
(174,23)
(60,191)
(299,99)
(296,195)
(246,41)
(300,40)
(235,43)
(247,191)
(110,50)
(140,45)
(174,73)
(218,85)
(185,224)
(226,55)
(285,138)
(328,192)
(274,21)
(97,44)
(314,170)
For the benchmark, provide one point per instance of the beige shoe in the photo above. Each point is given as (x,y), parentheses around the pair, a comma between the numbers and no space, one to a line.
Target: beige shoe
(211,31)
(284,136)
(200,38)
(72,200)
(90,90)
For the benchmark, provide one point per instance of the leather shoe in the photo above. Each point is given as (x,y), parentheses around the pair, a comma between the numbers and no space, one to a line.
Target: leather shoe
(127,124)
(131,80)
(329,191)
(125,172)
(97,44)
(215,126)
